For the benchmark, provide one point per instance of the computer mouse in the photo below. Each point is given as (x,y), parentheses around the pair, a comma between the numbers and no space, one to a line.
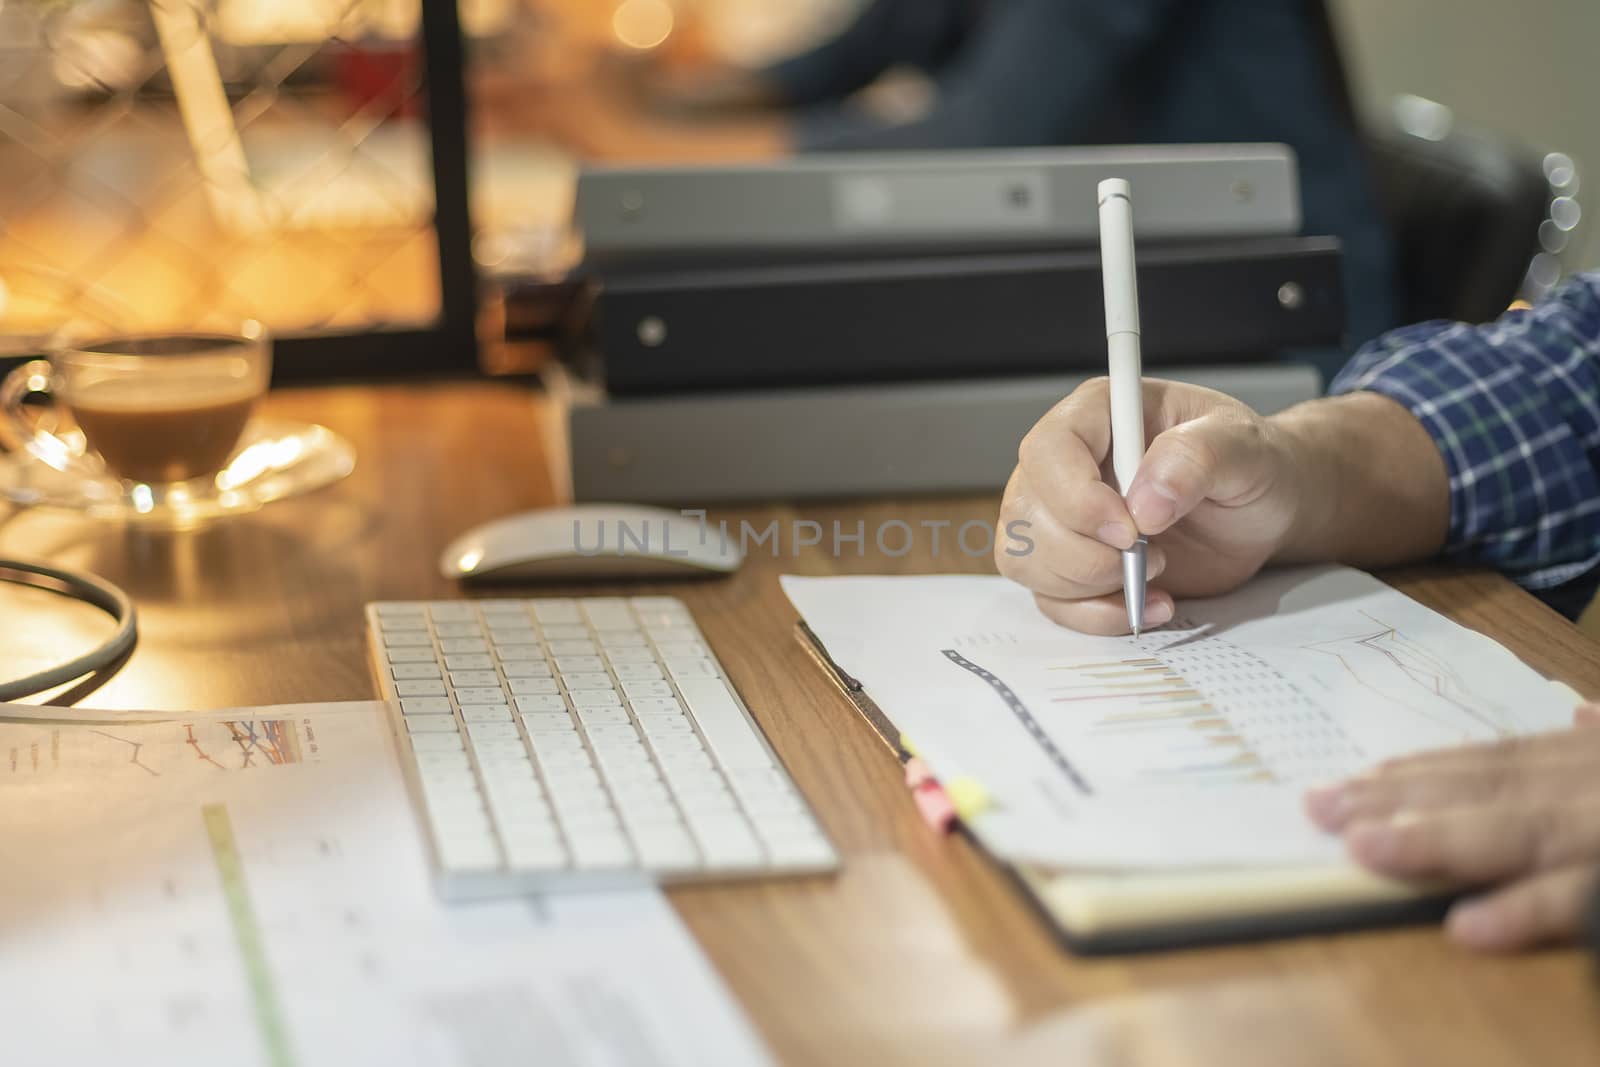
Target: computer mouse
(591,541)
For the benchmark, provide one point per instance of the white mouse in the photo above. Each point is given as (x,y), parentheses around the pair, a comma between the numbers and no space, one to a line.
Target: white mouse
(588,541)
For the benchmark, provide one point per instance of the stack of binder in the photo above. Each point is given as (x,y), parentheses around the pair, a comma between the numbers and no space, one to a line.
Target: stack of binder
(731,316)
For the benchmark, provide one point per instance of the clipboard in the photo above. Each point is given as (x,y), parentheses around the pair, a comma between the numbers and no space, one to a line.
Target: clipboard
(1101,913)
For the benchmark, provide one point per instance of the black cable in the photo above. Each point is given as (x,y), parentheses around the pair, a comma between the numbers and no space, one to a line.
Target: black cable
(79,586)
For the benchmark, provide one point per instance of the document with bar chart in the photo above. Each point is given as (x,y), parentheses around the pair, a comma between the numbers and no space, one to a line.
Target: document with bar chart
(1188,747)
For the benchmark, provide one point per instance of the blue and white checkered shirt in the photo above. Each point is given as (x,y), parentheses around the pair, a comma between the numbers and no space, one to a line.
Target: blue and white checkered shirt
(1514,407)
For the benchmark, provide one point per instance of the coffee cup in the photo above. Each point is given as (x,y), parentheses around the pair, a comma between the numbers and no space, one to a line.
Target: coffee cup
(159,410)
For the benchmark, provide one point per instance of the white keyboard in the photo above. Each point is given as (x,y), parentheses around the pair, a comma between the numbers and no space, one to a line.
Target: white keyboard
(580,743)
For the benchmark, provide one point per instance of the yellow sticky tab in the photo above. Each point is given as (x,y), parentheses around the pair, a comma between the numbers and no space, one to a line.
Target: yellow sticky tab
(905,743)
(967,796)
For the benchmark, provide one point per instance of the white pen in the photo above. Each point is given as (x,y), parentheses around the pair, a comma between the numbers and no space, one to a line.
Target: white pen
(1122,352)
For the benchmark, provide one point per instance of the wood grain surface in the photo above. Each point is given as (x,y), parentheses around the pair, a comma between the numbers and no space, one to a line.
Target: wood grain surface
(920,952)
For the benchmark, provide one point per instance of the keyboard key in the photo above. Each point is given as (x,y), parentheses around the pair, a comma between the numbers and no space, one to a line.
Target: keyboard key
(452,611)
(517,641)
(419,687)
(541,702)
(443,761)
(558,760)
(596,698)
(515,767)
(469,662)
(729,733)
(437,743)
(451,645)
(405,671)
(496,748)
(600,609)
(409,655)
(598,716)
(532,686)
(761,805)
(623,639)
(516,669)
(668,853)
(502,608)
(553,741)
(426,706)
(548,721)
(390,608)
(407,639)
(493,731)
(681,650)
(512,628)
(519,654)
(663,726)
(636,690)
(656,603)
(645,706)
(457,629)
(472,713)
(566,632)
(431,724)
(674,742)
(691,668)
(586,680)
(556,610)
(473,853)
(481,696)
(637,672)
(572,648)
(805,849)
(471,679)
(616,656)
(403,622)
(580,664)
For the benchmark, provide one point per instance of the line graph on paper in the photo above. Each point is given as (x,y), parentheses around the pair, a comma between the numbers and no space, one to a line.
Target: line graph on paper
(1387,664)
(146,751)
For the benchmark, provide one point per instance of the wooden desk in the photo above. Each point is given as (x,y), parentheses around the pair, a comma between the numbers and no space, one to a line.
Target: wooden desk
(920,952)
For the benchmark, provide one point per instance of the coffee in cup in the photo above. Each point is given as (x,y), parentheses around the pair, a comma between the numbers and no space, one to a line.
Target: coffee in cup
(161,409)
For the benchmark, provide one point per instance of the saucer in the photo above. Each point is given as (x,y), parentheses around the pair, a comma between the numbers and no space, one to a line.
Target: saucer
(276,459)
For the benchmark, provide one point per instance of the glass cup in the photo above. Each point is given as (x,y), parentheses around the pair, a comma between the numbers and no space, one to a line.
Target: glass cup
(163,413)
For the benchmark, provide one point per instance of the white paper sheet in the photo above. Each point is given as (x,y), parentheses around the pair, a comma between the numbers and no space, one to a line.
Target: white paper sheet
(248,888)
(1189,746)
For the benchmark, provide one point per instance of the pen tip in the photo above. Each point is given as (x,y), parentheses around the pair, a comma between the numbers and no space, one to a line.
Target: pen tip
(1135,631)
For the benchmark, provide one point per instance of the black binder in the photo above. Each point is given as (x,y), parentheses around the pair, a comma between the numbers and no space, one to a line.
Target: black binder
(959,316)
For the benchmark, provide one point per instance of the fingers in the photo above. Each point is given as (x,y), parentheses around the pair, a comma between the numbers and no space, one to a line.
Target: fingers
(1223,456)
(1059,562)
(1523,769)
(1059,464)
(1480,843)
(1105,615)
(1547,907)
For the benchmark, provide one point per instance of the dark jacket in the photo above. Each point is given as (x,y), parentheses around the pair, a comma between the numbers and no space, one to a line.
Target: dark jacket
(1067,72)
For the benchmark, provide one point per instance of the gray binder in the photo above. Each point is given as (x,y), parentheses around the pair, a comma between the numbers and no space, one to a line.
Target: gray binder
(901,438)
(907,201)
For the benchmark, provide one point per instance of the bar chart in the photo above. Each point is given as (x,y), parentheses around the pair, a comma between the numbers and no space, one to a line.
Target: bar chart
(1180,709)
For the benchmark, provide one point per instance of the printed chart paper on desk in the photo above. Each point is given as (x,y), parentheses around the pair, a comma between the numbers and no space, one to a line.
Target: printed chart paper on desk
(1190,746)
(248,888)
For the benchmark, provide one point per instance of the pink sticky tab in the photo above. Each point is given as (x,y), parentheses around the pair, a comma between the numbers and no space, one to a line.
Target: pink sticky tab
(917,773)
(936,809)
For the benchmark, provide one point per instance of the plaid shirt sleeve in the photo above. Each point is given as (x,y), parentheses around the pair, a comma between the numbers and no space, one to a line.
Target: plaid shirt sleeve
(1514,407)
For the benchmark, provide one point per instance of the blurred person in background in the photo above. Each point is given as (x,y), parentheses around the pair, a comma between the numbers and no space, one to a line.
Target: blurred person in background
(1009,73)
